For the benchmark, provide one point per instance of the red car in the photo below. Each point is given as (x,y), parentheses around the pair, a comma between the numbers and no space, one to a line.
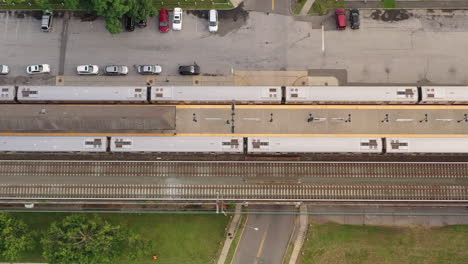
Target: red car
(340,19)
(163,20)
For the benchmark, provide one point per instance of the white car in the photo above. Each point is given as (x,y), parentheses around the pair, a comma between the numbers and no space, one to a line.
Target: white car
(87,69)
(39,68)
(213,21)
(149,69)
(177,19)
(4,69)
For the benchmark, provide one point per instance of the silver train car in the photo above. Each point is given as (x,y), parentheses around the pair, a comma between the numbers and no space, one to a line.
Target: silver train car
(426,145)
(233,145)
(53,144)
(216,94)
(7,94)
(351,95)
(444,95)
(81,94)
(313,144)
(177,144)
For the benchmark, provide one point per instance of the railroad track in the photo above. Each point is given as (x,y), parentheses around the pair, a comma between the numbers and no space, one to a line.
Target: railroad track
(237,192)
(275,181)
(256,169)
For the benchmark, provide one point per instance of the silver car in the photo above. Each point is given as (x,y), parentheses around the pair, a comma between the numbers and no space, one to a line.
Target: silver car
(116,70)
(149,69)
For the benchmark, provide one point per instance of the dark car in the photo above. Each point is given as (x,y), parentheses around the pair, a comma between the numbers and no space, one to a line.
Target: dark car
(163,20)
(142,23)
(340,15)
(193,69)
(129,23)
(354,18)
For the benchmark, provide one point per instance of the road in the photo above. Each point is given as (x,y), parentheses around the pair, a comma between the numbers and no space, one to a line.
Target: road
(266,236)
(399,47)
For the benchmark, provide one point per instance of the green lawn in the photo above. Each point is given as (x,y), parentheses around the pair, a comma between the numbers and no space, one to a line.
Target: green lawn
(178,238)
(321,6)
(388,3)
(158,4)
(334,243)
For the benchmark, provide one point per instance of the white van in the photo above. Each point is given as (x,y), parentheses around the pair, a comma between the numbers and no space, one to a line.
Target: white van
(213,21)
(46,25)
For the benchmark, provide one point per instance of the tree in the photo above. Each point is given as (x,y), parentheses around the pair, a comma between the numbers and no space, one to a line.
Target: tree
(15,237)
(83,240)
(43,4)
(72,4)
(112,11)
(141,9)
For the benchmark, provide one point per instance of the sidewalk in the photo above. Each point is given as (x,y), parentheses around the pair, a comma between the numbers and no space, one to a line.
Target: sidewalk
(453,4)
(301,235)
(305,9)
(231,233)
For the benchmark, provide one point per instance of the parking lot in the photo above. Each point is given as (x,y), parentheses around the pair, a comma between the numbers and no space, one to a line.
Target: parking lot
(398,48)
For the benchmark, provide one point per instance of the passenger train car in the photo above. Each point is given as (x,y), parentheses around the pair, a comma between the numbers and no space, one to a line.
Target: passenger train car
(82,94)
(237,94)
(232,145)
(216,94)
(351,95)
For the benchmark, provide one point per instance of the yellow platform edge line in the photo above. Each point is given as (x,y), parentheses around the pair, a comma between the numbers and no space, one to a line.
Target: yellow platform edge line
(235,135)
(354,107)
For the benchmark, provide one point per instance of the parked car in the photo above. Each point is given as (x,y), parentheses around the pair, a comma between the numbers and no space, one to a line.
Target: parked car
(213,21)
(39,68)
(149,69)
(177,19)
(193,69)
(129,23)
(46,24)
(116,70)
(354,18)
(142,23)
(4,69)
(163,20)
(87,69)
(340,15)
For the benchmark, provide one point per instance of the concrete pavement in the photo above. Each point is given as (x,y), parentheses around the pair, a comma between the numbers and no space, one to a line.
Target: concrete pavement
(305,9)
(266,236)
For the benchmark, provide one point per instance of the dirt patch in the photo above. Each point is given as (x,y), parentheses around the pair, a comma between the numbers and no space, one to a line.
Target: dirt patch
(393,15)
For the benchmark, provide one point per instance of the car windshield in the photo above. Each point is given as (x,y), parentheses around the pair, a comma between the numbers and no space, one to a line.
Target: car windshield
(212,23)
(163,24)
(39,67)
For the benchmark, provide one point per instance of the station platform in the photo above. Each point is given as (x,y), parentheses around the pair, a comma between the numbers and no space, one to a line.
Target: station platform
(238,120)
(87,119)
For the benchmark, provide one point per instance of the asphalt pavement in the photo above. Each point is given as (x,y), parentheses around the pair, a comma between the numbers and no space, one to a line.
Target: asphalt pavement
(392,46)
(266,236)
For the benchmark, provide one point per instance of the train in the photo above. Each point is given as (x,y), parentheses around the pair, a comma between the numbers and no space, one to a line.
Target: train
(235,94)
(233,144)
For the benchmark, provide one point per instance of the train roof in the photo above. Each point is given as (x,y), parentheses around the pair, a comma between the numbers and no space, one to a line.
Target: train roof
(7,93)
(82,93)
(444,93)
(216,93)
(314,144)
(53,143)
(351,93)
(427,145)
(176,144)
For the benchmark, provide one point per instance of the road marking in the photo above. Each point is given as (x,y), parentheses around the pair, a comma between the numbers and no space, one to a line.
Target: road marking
(354,107)
(262,243)
(323,38)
